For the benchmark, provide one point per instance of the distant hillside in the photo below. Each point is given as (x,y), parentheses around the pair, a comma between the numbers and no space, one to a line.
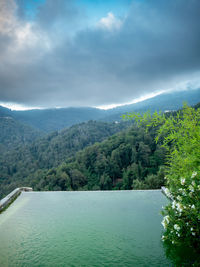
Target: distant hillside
(5,112)
(14,133)
(129,159)
(50,151)
(163,102)
(49,120)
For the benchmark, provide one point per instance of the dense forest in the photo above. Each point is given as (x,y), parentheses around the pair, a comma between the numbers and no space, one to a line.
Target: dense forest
(88,156)
(14,134)
(50,151)
(128,160)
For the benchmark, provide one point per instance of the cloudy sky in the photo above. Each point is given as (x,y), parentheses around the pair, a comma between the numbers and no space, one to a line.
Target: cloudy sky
(96,52)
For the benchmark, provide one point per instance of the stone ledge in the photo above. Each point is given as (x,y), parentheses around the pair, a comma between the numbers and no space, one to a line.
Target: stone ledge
(14,194)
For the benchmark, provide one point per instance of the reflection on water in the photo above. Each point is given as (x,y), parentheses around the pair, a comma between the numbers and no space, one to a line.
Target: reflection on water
(118,228)
(182,255)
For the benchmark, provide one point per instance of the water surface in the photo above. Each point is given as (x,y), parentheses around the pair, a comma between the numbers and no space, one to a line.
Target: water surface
(105,228)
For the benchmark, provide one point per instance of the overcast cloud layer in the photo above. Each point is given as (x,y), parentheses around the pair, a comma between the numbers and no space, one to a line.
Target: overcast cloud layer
(54,54)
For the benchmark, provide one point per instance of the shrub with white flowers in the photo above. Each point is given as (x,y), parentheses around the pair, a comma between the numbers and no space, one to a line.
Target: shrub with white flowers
(183,213)
(182,141)
(180,135)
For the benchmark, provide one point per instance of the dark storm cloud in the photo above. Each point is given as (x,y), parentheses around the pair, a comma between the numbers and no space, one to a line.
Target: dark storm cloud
(156,48)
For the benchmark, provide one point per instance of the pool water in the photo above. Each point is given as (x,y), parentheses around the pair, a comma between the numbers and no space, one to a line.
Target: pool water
(91,228)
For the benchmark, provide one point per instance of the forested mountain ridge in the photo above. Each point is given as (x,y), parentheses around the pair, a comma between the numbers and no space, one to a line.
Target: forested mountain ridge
(49,151)
(29,164)
(128,160)
(14,134)
(164,102)
(5,112)
(49,120)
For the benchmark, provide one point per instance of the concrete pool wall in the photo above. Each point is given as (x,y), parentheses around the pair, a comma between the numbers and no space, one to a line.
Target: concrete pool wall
(4,203)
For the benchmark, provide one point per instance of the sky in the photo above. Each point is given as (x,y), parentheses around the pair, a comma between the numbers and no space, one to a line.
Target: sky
(98,53)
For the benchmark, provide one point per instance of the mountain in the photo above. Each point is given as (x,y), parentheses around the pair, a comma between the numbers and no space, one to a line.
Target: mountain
(130,159)
(127,160)
(50,151)
(22,127)
(163,102)
(5,112)
(48,120)
(72,160)
(14,133)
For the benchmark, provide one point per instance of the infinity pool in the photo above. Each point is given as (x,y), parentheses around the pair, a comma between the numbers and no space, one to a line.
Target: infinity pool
(101,228)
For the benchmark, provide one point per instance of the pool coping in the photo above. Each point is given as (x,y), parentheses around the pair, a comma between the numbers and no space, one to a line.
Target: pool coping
(6,201)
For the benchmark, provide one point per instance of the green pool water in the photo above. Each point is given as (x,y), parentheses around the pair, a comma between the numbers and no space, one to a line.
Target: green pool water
(105,228)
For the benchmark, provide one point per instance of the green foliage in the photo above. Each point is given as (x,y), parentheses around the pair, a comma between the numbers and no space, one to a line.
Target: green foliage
(116,163)
(183,135)
(49,120)
(180,135)
(14,134)
(26,164)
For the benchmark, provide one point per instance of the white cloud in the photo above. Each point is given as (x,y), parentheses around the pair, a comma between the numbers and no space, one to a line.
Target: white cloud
(7,16)
(110,22)
(23,33)
(136,100)
(56,59)
(15,106)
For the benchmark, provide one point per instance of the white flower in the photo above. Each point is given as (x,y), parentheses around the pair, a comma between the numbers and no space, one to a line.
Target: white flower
(177,227)
(182,191)
(193,206)
(179,207)
(163,237)
(167,192)
(179,198)
(191,188)
(182,181)
(193,233)
(194,174)
(172,241)
(164,224)
(173,204)
(165,221)
(191,229)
